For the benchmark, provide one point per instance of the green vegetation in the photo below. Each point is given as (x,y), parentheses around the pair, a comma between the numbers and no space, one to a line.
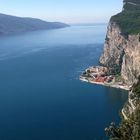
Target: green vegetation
(136,89)
(129,18)
(114,69)
(127,130)
(118,78)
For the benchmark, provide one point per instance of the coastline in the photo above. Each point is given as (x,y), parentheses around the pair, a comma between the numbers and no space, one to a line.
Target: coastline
(111,84)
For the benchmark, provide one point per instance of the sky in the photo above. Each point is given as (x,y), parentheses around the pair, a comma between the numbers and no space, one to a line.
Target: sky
(68,11)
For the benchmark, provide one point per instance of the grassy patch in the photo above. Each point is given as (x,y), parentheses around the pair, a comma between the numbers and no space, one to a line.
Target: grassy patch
(129,18)
(118,78)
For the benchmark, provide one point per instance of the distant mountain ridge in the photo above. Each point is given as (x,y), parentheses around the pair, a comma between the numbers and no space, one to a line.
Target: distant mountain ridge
(13,24)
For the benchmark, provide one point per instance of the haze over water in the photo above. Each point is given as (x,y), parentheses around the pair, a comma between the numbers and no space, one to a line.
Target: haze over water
(41,97)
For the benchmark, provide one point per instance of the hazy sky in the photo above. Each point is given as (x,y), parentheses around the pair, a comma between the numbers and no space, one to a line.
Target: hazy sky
(69,11)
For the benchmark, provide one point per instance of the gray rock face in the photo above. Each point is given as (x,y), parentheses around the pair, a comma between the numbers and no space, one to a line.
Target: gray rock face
(122,53)
(131,60)
(113,53)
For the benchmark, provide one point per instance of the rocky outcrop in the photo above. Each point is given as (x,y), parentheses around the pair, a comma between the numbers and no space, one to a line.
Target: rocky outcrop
(122,56)
(113,53)
(130,69)
(121,52)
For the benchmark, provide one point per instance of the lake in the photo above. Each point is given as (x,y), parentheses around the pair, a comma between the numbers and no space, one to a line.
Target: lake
(41,97)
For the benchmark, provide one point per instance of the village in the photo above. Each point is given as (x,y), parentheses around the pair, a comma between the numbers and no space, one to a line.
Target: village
(97,74)
(100,75)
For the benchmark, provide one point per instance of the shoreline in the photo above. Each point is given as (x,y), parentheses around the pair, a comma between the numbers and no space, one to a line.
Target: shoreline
(113,85)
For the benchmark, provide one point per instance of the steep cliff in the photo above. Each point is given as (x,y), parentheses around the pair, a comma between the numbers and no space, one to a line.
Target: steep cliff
(113,53)
(121,55)
(122,50)
(122,45)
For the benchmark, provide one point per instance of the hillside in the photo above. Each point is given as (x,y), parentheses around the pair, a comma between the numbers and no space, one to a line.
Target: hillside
(129,18)
(12,24)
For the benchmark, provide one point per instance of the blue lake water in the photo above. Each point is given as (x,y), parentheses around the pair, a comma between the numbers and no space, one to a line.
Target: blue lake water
(41,97)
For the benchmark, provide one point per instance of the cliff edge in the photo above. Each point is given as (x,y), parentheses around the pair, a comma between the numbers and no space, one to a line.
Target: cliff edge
(121,52)
(122,45)
(121,55)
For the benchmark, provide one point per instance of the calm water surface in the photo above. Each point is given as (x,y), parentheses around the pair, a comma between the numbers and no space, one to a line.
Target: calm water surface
(41,97)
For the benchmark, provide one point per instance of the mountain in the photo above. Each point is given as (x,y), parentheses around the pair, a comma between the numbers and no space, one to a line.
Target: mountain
(121,55)
(12,24)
